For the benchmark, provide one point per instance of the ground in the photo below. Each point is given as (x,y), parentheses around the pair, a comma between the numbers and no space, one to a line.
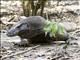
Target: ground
(57,50)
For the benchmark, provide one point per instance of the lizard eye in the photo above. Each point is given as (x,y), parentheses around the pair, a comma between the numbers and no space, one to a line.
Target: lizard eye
(19,26)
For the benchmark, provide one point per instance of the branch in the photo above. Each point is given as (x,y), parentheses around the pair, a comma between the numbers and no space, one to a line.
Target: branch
(21,52)
(8,23)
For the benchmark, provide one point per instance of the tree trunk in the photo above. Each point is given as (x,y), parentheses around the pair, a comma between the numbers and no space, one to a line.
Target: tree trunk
(30,8)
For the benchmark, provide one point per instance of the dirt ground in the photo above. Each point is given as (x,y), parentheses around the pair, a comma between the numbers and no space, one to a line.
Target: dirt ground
(58,50)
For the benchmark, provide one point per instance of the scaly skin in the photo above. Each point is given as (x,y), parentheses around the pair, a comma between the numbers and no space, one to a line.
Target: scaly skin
(31,28)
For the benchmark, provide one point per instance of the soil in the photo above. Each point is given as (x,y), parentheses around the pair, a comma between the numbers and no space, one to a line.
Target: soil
(58,50)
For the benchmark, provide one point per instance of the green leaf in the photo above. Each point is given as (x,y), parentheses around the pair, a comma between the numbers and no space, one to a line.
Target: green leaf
(53,28)
(61,30)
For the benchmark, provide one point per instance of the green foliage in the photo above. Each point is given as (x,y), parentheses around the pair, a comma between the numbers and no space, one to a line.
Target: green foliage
(54,29)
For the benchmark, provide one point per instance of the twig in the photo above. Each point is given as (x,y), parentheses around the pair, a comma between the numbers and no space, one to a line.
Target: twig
(47,16)
(11,19)
(21,52)
(57,57)
(7,23)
